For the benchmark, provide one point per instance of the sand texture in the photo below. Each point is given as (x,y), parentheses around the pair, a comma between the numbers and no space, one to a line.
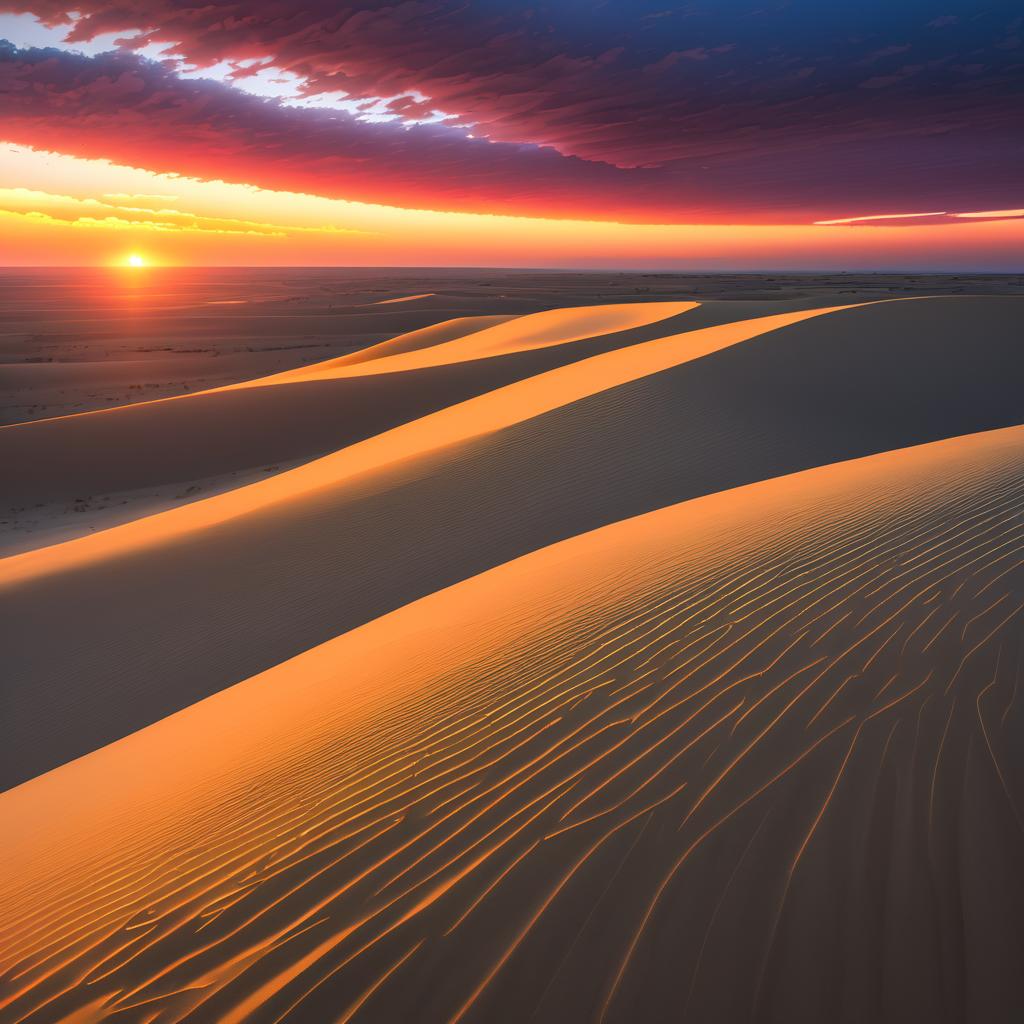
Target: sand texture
(626,661)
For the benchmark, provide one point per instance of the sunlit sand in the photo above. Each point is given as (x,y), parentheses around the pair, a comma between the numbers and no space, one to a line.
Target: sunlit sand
(494,411)
(628,662)
(698,717)
(404,298)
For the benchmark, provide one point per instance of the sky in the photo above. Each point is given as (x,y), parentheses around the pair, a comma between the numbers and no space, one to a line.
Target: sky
(722,134)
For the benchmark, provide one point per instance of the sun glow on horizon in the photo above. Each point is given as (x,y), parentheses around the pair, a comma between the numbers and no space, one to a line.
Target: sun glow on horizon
(136,219)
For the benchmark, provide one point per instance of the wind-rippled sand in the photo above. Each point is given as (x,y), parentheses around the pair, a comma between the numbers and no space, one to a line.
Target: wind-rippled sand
(675,679)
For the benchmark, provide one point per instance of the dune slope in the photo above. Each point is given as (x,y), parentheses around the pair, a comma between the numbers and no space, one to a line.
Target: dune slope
(308,412)
(183,615)
(682,767)
(472,340)
(425,337)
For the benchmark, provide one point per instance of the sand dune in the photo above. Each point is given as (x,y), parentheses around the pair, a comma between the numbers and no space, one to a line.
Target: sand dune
(70,476)
(425,337)
(64,351)
(279,318)
(518,334)
(187,611)
(404,298)
(752,756)
(227,430)
(457,424)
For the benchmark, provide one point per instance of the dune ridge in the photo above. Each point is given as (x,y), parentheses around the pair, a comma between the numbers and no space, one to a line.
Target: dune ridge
(520,334)
(451,341)
(404,298)
(484,414)
(424,337)
(124,454)
(706,755)
(180,621)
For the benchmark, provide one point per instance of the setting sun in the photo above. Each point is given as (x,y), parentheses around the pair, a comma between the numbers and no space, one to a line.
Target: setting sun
(135,260)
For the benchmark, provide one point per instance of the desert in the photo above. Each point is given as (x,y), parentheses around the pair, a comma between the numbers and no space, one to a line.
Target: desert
(524,657)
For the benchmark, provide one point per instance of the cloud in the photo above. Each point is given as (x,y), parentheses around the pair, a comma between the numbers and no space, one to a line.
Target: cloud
(992,214)
(931,217)
(622,83)
(740,167)
(116,211)
(121,107)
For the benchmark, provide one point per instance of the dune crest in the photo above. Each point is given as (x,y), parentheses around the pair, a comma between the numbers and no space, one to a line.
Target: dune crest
(518,334)
(410,341)
(404,298)
(450,342)
(182,619)
(484,414)
(652,748)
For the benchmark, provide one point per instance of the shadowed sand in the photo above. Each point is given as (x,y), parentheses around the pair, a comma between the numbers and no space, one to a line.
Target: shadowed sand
(755,756)
(453,425)
(520,334)
(89,339)
(219,590)
(425,337)
(311,411)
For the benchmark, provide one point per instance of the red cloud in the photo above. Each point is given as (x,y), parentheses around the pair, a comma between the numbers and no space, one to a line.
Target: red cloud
(580,79)
(139,112)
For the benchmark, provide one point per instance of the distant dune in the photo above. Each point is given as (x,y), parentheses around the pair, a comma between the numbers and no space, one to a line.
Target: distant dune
(623,662)
(90,339)
(404,298)
(216,432)
(425,337)
(483,340)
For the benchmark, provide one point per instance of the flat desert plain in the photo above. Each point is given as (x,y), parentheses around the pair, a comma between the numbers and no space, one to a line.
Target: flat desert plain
(442,646)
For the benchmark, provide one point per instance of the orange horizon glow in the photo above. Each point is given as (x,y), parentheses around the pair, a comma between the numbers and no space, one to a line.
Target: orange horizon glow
(115,213)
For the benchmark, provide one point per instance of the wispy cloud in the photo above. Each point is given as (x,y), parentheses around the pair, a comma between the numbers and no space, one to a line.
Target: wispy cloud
(117,212)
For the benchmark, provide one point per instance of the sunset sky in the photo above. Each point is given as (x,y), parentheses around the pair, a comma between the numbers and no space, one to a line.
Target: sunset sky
(633,133)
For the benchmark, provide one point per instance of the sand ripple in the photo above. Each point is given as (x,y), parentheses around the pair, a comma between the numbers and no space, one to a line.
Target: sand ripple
(754,756)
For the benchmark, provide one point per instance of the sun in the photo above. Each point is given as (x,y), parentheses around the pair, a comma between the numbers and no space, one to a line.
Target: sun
(135,260)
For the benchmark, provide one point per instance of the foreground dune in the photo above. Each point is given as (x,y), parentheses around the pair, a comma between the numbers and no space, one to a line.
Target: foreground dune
(174,608)
(753,756)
